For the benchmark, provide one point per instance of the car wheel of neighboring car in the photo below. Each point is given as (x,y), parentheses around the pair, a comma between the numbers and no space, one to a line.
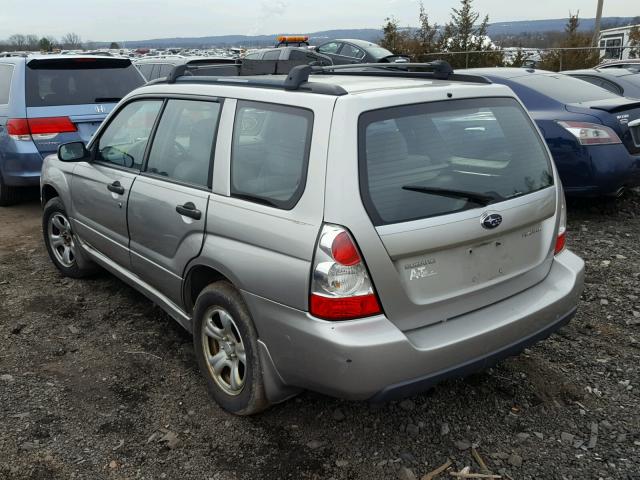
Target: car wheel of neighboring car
(61,242)
(226,346)
(8,195)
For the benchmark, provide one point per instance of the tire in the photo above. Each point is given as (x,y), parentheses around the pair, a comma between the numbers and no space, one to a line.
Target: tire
(61,242)
(8,195)
(223,331)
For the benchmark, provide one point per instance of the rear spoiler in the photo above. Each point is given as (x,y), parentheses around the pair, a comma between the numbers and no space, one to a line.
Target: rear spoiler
(614,105)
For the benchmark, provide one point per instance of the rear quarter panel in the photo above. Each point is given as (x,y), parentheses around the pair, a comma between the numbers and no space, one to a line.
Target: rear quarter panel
(264,250)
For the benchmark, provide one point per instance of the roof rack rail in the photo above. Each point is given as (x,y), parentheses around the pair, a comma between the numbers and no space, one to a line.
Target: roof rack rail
(297,79)
(438,69)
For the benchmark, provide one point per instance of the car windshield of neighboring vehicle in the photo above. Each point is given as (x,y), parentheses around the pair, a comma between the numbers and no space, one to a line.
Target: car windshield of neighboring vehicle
(79,81)
(430,159)
(564,89)
(379,52)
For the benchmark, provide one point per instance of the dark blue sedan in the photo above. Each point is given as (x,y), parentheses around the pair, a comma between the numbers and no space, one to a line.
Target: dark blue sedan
(593,134)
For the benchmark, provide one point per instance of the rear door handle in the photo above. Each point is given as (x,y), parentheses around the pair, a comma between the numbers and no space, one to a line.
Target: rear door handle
(116,187)
(189,210)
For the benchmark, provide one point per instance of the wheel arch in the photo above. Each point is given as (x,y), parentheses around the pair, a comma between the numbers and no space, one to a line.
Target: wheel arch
(198,276)
(47,193)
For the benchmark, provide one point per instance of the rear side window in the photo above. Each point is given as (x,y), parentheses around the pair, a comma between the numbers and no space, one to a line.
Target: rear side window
(6,72)
(164,70)
(329,48)
(183,144)
(601,82)
(430,159)
(563,88)
(271,55)
(351,51)
(145,69)
(79,81)
(270,153)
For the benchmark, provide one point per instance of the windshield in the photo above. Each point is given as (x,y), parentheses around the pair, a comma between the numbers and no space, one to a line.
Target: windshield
(80,81)
(564,89)
(430,159)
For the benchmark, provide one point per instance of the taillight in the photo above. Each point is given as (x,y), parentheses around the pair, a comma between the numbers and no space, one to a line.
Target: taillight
(39,128)
(591,133)
(340,285)
(561,237)
(18,129)
(47,128)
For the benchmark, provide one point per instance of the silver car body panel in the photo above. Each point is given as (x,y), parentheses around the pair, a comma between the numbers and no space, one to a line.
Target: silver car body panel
(474,305)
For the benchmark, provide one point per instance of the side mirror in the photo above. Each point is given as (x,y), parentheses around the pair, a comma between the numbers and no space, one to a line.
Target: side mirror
(73,152)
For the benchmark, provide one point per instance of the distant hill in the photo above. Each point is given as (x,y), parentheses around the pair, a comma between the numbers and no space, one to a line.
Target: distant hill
(371,34)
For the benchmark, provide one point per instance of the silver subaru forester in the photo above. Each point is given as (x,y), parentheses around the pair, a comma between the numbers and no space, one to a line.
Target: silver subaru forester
(364,234)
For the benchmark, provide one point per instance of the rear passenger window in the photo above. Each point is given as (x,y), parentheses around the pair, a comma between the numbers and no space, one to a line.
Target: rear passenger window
(145,69)
(272,55)
(124,141)
(165,69)
(6,72)
(270,153)
(183,144)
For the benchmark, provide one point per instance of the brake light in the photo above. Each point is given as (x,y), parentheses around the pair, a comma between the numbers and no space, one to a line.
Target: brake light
(39,128)
(591,133)
(18,129)
(340,285)
(50,125)
(561,237)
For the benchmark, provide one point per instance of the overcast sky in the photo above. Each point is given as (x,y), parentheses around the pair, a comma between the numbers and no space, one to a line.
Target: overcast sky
(121,20)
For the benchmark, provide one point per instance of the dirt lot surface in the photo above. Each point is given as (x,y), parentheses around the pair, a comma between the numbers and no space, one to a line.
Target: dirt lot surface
(96,382)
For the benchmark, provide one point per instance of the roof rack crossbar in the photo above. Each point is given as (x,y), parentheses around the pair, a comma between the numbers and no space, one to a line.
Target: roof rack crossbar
(438,69)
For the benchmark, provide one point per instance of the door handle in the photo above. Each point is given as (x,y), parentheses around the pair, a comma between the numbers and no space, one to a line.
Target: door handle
(189,210)
(115,187)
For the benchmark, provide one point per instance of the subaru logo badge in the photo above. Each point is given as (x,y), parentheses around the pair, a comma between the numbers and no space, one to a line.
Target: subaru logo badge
(100,109)
(491,220)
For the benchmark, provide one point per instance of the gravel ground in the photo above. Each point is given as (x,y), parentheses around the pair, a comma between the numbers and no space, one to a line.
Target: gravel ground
(96,382)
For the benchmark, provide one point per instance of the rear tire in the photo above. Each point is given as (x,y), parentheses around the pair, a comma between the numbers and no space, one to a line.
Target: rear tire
(8,195)
(226,347)
(62,244)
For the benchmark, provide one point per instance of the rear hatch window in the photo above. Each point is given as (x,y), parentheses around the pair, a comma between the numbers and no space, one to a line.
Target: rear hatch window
(424,160)
(79,81)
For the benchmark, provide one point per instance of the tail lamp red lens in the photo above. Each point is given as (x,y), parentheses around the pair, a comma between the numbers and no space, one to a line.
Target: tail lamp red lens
(23,128)
(341,288)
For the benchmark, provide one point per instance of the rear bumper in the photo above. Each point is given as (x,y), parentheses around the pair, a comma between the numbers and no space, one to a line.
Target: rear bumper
(21,169)
(372,359)
(612,170)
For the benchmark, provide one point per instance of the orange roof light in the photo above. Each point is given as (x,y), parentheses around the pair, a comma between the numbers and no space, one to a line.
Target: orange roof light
(293,38)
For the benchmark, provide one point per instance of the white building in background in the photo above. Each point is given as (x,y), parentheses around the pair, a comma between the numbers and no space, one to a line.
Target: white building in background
(613,41)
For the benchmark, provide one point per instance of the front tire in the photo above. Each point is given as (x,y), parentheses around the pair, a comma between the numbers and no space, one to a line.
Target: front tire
(61,242)
(226,347)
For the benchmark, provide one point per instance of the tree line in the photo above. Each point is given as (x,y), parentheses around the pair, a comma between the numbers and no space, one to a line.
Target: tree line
(466,32)
(32,43)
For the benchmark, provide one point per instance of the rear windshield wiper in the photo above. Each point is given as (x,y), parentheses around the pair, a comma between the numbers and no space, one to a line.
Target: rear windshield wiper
(479,198)
(107,99)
